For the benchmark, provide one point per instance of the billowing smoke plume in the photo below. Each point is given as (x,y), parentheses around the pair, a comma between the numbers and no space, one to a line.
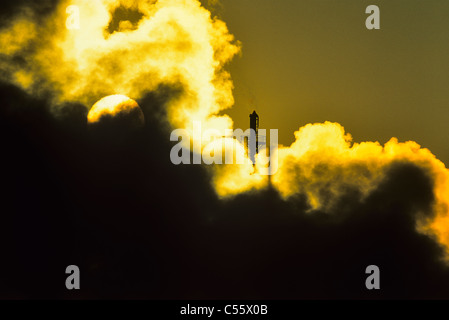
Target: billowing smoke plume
(324,165)
(331,172)
(134,47)
(124,47)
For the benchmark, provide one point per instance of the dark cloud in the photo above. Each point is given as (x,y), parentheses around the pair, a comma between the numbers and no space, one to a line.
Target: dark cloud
(133,16)
(13,8)
(140,227)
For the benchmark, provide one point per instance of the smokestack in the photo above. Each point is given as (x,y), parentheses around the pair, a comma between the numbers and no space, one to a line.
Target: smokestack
(253,141)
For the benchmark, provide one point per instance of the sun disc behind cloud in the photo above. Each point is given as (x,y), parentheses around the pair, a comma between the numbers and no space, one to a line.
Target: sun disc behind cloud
(116,106)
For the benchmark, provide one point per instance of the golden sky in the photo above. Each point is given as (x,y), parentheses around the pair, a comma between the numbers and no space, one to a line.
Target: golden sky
(312,61)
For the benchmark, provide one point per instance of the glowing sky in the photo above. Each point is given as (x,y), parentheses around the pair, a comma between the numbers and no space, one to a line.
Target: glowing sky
(312,61)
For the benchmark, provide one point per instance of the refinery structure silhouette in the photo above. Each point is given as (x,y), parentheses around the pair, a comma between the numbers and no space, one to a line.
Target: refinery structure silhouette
(254,141)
